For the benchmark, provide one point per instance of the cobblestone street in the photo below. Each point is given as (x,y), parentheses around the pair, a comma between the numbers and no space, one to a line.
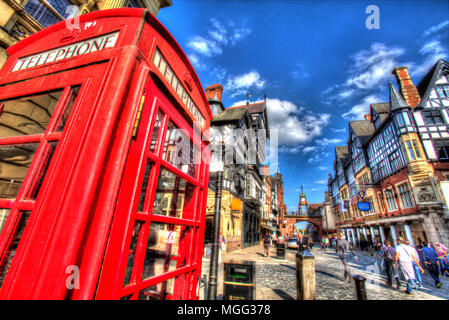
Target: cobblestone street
(276,278)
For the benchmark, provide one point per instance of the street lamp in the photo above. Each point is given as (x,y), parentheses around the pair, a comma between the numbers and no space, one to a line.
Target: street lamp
(216,166)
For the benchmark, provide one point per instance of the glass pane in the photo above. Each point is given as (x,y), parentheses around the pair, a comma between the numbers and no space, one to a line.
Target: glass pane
(156,129)
(159,291)
(39,12)
(15,161)
(67,108)
(4,213)
(41,175)
(163,252)
(23,219)
(60,6)
(174,196)
(132,252)
(25,116)
(143,190)
(179,150)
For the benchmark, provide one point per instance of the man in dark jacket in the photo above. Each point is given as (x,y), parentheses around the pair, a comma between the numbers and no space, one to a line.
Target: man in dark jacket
(388,253)
(431,263)
(342,247)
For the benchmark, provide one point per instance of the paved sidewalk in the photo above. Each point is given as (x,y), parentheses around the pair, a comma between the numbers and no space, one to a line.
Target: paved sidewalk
(276,278)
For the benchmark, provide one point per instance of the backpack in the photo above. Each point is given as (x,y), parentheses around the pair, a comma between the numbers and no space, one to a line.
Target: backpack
(387,254)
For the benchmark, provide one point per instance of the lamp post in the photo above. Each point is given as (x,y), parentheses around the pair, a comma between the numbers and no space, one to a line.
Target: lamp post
(216,167)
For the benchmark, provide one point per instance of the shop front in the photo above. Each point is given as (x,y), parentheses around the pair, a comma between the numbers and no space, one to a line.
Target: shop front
(103,163)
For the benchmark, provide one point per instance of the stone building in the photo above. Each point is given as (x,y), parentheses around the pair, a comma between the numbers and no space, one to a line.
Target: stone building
(21,18)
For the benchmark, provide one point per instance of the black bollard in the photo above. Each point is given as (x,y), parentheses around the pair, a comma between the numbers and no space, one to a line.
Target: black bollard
(360,287)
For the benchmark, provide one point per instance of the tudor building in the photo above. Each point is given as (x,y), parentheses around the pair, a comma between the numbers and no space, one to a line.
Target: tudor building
(398,157)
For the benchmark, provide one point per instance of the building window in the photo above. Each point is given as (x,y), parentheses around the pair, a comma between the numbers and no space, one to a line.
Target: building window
(412,149)
(389,195)
(442,91)
(134,4)
(442,149)
(48,12)
(406,196)
(395,161)
(433,117)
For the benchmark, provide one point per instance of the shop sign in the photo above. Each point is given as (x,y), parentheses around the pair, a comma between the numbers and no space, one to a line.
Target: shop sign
(364,206)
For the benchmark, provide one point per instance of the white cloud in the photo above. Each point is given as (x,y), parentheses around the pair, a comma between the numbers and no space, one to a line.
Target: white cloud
(373,66)
(217,38)
(294,124)
(436,28)
(326,141)
(432,50)
(324,181)
(309,149)
(339,130)
(321,168)
(300,71)
(204,47)
(369,70)
(359,110)
(243,83)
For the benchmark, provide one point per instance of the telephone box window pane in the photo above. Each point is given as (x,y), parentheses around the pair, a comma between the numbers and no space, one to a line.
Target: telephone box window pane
(47,160)
(15,161)
(159,291)
(26,116)
(67,109)
(23,219)
(143,190)
(157,127)
(180,151)
(173,196)
(132,252)
(167,249)
(4,213)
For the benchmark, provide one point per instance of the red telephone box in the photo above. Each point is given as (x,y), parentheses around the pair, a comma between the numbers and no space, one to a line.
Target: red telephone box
(103,163)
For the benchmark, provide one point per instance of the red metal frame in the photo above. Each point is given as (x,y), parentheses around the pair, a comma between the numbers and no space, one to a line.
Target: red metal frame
(84,213)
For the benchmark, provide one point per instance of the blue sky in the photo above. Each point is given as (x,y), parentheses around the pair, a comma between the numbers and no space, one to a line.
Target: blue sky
(316,61)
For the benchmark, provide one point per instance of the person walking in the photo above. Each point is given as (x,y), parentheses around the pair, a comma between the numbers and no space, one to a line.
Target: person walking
(267,244)
(416,267)
(388,254)
(405,256)
(344,246)
(430,258)
(222,247)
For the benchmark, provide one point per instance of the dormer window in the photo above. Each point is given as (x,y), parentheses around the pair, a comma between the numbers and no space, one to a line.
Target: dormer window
(433,117)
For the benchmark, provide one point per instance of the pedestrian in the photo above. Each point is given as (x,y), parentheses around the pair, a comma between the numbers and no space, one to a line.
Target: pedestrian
(343,246)
(388,255)
(405,256)
(442,252)
(416,267)
(222,247)
(267,244)
(430,258)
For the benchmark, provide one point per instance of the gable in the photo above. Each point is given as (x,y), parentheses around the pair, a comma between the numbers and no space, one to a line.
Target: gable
(435,86)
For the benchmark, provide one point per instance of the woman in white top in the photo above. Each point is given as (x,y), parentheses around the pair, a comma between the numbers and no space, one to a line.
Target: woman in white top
(406,255)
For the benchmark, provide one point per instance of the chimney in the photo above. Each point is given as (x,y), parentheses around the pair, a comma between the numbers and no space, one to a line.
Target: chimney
(326,195)
(406,86)
(367,117)
(214,91)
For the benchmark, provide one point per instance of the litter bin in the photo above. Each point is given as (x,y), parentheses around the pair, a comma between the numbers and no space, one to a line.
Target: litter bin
(239,280)
(280,250)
